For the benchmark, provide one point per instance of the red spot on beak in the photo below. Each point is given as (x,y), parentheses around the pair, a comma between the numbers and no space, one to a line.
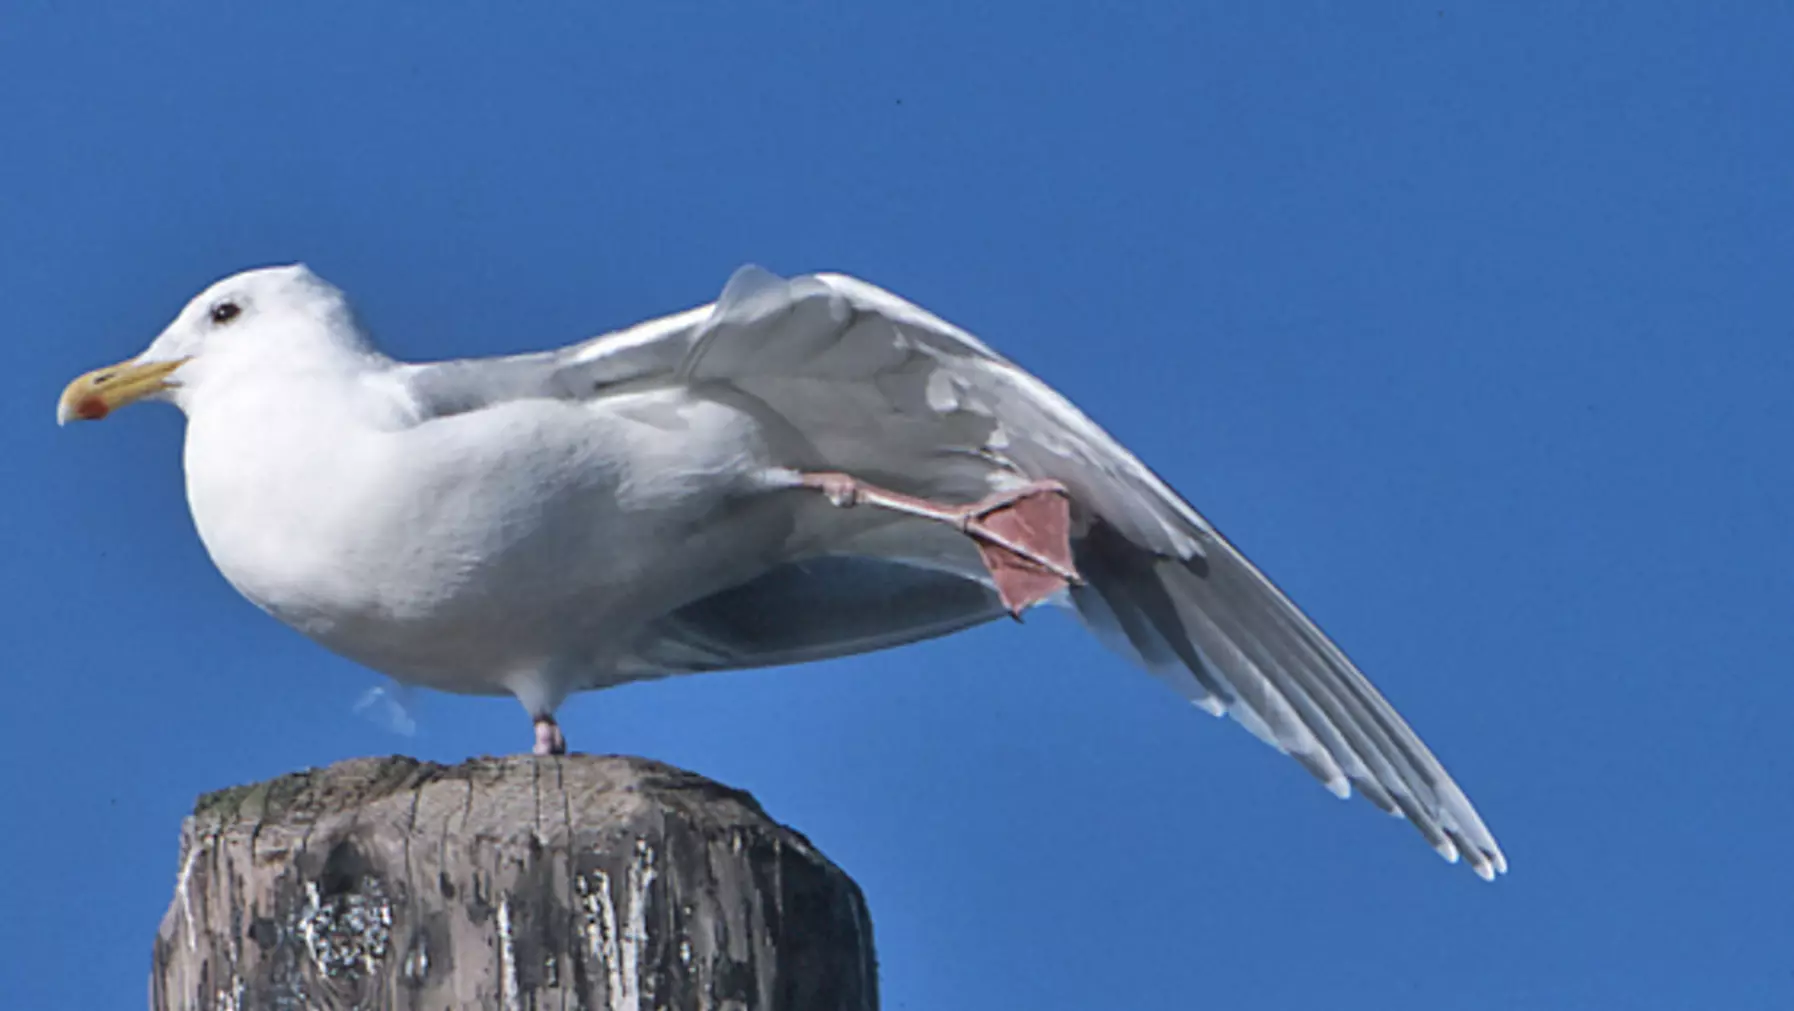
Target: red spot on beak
(91,408)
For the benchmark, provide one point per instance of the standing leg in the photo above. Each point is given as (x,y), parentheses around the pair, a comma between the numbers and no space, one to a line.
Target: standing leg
(541,688)
(548,737)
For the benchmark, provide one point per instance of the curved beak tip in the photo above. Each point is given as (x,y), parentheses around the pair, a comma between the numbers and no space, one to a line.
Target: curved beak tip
(102,391)
(91,407)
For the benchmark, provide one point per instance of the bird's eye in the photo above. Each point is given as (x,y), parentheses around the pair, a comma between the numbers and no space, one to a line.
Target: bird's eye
(224,312)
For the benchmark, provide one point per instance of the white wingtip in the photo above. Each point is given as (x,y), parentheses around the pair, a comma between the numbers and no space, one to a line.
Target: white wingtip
(1447,849)
(1486,865)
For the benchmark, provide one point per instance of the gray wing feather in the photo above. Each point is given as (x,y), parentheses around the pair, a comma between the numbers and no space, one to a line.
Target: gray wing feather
(813,610)
(643,355)
(1273,668)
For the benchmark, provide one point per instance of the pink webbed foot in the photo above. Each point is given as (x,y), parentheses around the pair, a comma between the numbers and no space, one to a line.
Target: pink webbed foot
(1023,535)
(548,737)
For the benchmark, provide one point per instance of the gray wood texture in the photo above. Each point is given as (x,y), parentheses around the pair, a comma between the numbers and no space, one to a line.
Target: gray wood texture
(514,883)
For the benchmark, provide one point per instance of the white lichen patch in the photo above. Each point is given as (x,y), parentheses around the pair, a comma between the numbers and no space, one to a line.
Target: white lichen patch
(182,892)
(230,998)
(599,923)
(348,933)
(507,957)
(417,960)
(641,876)
(619,943)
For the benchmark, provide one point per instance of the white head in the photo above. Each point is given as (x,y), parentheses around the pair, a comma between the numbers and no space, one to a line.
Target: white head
(284,318)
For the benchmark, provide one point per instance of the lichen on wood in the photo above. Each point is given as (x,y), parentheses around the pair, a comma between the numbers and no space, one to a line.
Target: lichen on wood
(572,882)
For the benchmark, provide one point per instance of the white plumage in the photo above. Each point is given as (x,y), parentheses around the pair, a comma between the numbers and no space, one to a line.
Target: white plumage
(632,507)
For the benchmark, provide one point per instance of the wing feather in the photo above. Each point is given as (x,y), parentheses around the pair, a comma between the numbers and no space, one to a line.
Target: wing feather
(812,610)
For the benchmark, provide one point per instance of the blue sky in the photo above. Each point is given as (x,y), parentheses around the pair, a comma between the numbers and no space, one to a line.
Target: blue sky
(1473,327)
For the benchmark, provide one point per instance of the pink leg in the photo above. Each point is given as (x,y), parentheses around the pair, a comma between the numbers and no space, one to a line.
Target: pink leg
(548,737)
(1023,535)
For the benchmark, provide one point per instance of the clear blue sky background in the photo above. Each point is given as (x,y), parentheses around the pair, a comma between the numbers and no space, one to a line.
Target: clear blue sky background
(1473,327)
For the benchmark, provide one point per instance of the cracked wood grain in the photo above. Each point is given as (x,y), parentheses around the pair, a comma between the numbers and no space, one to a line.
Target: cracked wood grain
(574,882)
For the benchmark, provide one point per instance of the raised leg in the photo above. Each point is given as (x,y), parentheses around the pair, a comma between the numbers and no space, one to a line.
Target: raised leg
(1022,535)
(548,737)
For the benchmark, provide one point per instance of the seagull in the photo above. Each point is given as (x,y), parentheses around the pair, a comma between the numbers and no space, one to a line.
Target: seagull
(806,468)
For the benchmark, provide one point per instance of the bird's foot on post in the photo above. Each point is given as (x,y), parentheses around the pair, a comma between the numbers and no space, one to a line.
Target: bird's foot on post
(1023,535)
(548,737)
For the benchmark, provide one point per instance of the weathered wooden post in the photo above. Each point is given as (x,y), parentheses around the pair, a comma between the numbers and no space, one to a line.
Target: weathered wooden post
(513,883)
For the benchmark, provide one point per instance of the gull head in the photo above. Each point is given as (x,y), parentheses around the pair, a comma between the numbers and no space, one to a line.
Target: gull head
(272,318)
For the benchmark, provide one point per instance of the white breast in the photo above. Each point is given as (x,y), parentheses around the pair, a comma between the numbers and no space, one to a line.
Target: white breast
(453,552)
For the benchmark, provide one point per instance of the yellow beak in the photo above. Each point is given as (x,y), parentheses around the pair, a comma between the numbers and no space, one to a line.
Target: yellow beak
(102,391)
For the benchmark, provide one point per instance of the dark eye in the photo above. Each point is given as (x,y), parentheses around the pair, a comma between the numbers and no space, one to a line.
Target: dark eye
(224,312)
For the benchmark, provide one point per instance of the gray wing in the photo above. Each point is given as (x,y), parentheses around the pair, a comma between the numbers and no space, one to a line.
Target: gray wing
(815,609)
(643,355)
(879,387)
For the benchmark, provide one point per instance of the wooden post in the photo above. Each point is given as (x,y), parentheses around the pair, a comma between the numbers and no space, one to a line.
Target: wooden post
(513,883)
